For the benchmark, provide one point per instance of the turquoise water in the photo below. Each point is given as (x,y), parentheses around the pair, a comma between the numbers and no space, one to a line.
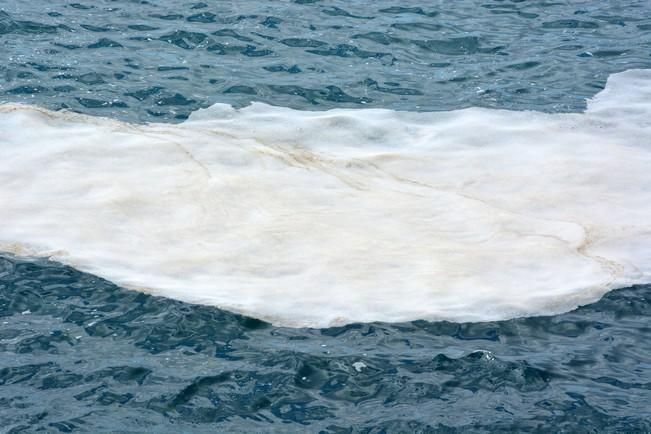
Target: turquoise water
(78,354)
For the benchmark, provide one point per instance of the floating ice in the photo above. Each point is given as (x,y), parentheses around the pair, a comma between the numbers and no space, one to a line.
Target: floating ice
(323,218)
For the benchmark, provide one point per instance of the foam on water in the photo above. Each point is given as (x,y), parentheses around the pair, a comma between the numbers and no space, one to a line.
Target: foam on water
(321,218)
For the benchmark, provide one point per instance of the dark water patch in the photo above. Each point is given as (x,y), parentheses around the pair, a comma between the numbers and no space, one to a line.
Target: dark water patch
(570,24)
(81,6)
(168,17)
(93,103)
(524,65)
(252,51)
(90,78)
(335,11)
(142,27)
(271,22)
(608,53)
(300,42)
(294,69)
(233,34)
(9,25)
(416,27)
(527,15)
(25,74)
(570,47)
(105,43)
(172,68)
(392,88)
(224,49)
(247,90)
(26,90)
(236,19)
(183,39)
(454,46)
(174,100)
(97,29)
(47,68)
(315,96)
(408,10)
(67,46)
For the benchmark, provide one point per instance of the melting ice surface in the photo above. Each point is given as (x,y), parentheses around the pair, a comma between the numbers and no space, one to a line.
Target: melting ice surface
(322,218)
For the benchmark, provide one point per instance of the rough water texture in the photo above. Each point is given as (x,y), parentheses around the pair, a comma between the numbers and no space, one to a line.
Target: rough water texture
(314,219)
(161,60)
(78,354)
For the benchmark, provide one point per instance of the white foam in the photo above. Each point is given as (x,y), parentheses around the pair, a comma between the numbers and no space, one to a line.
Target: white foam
(323,218)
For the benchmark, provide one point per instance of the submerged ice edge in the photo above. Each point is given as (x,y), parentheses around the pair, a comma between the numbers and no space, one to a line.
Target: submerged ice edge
(322,218)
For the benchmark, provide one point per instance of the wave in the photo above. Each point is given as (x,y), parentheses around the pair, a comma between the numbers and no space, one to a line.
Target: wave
(324,218)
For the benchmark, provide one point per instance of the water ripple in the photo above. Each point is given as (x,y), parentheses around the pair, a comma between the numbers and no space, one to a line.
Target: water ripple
(152,360)
(509,55)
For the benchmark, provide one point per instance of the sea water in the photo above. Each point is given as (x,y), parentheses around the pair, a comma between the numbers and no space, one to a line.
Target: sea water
(459,164)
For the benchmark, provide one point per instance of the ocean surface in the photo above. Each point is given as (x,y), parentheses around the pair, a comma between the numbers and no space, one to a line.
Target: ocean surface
(81,354)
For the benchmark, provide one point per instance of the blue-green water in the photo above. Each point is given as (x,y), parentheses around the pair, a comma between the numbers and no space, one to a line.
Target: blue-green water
(78,354)
(160,60)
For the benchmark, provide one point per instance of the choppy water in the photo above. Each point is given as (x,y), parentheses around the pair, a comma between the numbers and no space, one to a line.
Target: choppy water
(78,354)
(142,60)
